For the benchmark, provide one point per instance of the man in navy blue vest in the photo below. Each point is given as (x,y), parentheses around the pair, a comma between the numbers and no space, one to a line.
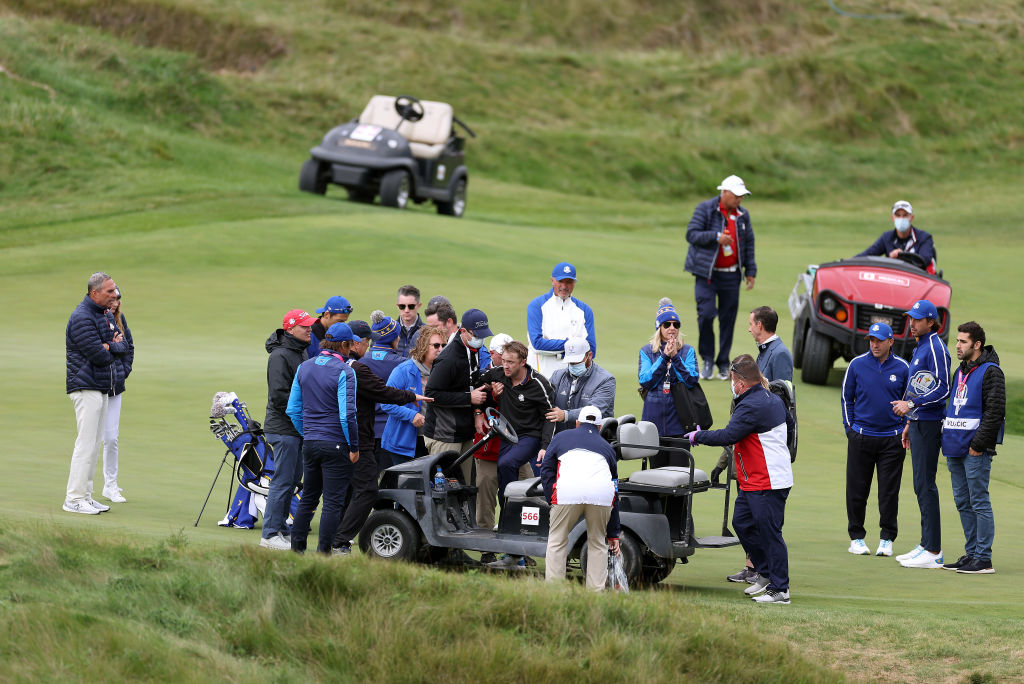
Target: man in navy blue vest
(973,427)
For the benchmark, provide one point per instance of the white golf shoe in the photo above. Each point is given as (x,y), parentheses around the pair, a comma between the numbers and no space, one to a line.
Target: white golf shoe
(911,553)
(884,548)
(859,548)
(923,559)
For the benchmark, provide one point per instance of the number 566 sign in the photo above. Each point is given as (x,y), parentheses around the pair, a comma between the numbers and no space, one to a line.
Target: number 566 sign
(530,516)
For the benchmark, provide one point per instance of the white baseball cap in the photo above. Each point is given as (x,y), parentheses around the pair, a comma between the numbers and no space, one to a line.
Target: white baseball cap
(735,185)
(904,205)
(590,414)
(575,349)
(499,341)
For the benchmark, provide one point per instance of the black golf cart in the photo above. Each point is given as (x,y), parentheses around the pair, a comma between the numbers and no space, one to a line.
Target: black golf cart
(414,521)
(400,148)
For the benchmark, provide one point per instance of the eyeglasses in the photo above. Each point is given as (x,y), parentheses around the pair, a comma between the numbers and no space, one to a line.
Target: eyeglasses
(670,324)
(403,307)
(439,345)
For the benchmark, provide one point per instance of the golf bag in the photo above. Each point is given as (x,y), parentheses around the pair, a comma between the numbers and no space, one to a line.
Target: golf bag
(253,460)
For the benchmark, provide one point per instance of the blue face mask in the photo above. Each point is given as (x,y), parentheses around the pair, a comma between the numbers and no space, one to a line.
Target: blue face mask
(902,224)
(735,394)
(577,369)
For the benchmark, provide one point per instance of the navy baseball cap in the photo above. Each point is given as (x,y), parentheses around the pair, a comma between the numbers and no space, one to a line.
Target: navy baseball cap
(564,270)
(475,321)
(340,332)
(360,329)
(880,331)
(336,304)
(923,309)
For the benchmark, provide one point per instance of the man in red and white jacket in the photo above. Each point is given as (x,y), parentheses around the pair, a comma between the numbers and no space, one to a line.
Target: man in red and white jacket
(758,428)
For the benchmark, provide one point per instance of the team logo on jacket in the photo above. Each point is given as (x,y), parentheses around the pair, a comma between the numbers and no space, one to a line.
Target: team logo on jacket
(923,382)
(522,398)
(892,378)
(960,398)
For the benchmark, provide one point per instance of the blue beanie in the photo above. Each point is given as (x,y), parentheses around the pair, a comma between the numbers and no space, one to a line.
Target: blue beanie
(666,312)
(384,328)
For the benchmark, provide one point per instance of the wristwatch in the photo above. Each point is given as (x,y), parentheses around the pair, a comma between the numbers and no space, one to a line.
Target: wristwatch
(910,403)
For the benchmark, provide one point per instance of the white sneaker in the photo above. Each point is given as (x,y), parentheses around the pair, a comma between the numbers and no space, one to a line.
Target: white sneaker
(114,495)
(757,587)
(80,507)
(884,548)
(911,553)
(924,559)
(276,542)
(859,548)
(98,506)
(773,596)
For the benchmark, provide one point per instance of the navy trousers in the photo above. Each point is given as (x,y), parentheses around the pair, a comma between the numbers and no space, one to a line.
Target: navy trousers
(925,443)
(326,471)
(512,456)
(719,297)
(757,519)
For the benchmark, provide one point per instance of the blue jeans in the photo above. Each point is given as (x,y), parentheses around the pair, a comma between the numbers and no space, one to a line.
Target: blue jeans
(326,470)
(725,287)
(969,476)
(287,474)
(925,442)
(757,519)
(511,456)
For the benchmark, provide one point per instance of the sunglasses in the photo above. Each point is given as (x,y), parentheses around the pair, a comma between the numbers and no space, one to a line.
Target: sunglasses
(403,307)
(439,345)
(670,324)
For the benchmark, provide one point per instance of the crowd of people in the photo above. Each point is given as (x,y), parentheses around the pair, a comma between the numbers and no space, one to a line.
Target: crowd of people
(347,398)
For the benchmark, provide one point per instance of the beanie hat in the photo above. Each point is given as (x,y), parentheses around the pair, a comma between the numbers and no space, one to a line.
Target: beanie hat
(666,312)
(384,327)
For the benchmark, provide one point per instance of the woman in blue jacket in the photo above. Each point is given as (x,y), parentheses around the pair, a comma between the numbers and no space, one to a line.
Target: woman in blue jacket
(111,426)
(664,362)
(401,436)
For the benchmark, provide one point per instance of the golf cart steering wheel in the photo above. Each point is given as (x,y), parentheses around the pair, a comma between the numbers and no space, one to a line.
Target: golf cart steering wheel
(504,430)
(913,260)
(409,108)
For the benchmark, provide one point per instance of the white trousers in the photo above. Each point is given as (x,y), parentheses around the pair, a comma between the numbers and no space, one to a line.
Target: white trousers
(110,430)
(90,412)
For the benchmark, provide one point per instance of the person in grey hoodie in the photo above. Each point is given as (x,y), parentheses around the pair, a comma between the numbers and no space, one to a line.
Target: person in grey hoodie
(581,383)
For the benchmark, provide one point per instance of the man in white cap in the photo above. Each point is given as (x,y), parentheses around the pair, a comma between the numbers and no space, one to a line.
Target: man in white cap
(581,477)
(905,238)
(554,317)
(721,256)
(581,383)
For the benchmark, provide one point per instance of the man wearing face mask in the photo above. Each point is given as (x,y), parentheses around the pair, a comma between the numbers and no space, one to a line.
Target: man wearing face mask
(582,383)
(554,317)
(906,238)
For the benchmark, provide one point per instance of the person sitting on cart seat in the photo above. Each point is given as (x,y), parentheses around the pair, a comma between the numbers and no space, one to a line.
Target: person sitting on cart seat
(906,238)
(581,383)
(580,478)
(759,430)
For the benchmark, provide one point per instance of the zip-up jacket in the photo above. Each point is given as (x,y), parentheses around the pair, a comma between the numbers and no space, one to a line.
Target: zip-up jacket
(869,388)
(455,372)
(550,321)
(381,360)
(596,387)
(928,386)
(526,404)
(577,454)
(407,337)
(399,433)
(286,353)
(322,403)
(658,406)
(89,365)
(774,360)
(371,390)
(992,410)
(702,234)
(759,428)
(917,242)
(127,359)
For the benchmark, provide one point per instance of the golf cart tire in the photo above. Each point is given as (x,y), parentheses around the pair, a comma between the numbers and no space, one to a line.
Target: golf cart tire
(656,569)
(457,206)
(395,189)
(360,196)
(631,561)
(816,358)
(391,535)
(799,334)
(313,177)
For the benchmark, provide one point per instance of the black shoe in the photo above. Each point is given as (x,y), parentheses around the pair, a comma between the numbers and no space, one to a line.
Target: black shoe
(748,575)
(976,566)
(957,565)
(707,371)
(486,558)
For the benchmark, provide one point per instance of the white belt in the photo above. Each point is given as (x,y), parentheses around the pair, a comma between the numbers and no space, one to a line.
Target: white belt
(727,270)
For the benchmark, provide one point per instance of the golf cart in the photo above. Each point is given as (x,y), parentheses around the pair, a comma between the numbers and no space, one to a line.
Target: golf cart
(400,148)
(834,304)
(413,520)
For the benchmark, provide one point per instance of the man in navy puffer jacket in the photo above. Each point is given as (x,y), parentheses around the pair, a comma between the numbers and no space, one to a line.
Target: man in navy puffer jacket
(93,344)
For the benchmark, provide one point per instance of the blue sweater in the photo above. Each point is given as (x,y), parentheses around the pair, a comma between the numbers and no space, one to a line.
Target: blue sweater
(869,388)
(399,433)
(322,403)
(658,406)
(774,360)
(917,242)
(929,378)
(702,234)
(381,360)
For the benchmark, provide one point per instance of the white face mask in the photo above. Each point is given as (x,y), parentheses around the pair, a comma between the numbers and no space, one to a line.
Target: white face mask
(735,394)
(475,342)
(902,224)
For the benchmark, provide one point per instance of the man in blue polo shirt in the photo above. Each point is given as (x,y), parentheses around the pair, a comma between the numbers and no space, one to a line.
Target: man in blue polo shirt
(925,407)
(872,382)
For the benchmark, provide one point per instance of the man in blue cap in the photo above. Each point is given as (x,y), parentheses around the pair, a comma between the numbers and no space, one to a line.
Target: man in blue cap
(554,317)
(872,382)
(925,406)
(335,310)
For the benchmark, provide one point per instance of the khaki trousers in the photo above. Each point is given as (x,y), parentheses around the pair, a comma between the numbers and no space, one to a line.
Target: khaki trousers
(561,521)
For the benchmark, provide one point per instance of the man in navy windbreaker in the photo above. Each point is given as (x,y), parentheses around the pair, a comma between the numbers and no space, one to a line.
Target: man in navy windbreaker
(925,406)
(322,406)
(759,428)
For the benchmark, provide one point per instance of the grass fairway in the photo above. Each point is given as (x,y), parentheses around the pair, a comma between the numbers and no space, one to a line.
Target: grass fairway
(202,292)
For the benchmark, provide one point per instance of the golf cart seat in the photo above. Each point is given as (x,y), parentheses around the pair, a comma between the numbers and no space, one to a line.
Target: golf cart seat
(644,436)
(669,476)
(427,137)
(641,439)
(531,486)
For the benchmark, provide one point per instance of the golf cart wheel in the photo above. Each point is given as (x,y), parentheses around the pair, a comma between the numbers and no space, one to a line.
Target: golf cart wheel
(457,206)
(394,189)
(816,361)
(391,535)
(655,569)
(799,333)
(630,549)
(361,196)
(313,177)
